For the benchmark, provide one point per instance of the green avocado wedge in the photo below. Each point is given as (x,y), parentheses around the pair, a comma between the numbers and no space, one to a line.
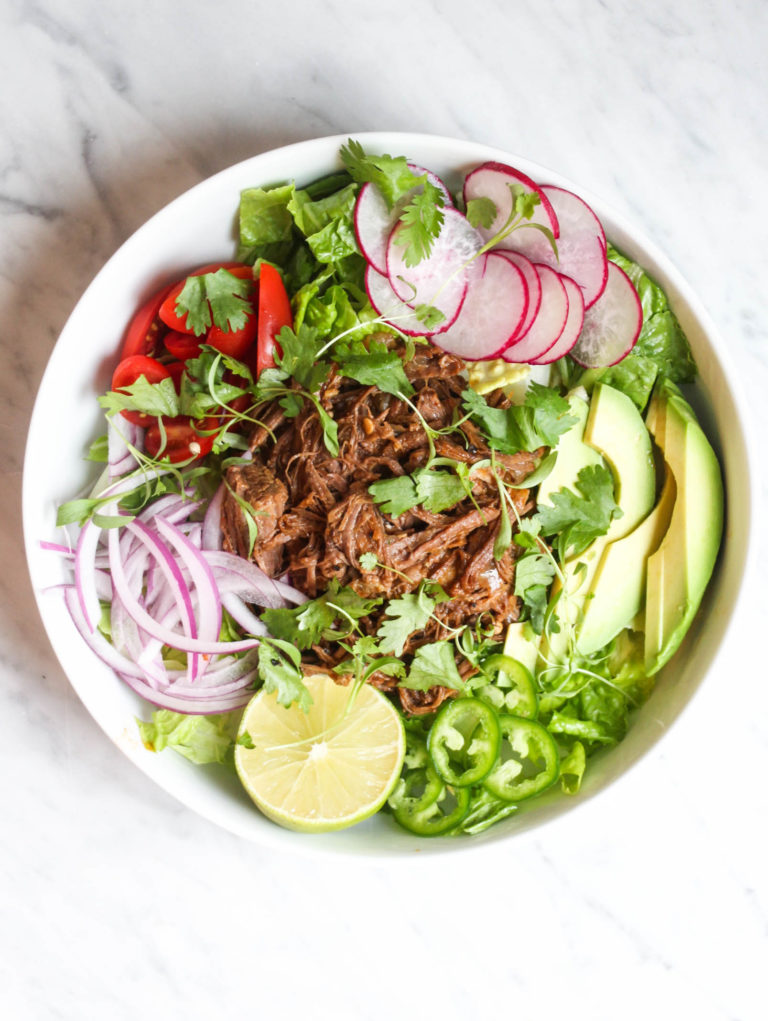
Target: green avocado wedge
(614,429)
(680,569)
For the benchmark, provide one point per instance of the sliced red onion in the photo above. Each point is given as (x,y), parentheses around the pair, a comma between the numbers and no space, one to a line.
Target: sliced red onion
(239,612)
(121,432)
(272,593)
(85,581)
(212,521)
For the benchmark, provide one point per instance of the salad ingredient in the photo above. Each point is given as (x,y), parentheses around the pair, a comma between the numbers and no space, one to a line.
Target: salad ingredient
(426,806)
(678,572)
(492,312)
(572,328)
(201,739)
(464,741)
(131,369)
(533,284)
(514,689)
(441,279)
(142,333)
(500,184)
(529,762)
(616,593)
(274,314)
(180,438)
(324,769)
(375,219)
(581,245)
(612,325)
(548,324)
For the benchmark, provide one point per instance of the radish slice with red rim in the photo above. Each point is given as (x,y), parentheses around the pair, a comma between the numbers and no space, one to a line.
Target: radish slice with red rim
(440,280)
(496,181)
(573,324)
(548,324)
(528,270)
(612,325)
(390,307)
(490,318)
(374,220)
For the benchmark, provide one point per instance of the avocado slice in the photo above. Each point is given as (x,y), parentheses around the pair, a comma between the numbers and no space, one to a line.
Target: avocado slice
(522,644)
(679,571)
(615,429)
(617,591)
(573,453)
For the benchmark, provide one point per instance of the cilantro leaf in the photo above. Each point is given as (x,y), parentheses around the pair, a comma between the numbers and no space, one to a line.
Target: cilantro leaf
(395,496)
(308,623)
(390,174)
(280,671)
(436,491)
(298,357)
(539,422)
(150,398)
(374,365)
(218,297)
(407,614)
(577,518)
(433,664)
(481,212)
(534,573)
(420,223)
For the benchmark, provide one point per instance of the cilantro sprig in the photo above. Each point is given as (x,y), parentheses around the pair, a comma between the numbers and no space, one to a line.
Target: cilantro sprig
(219,299)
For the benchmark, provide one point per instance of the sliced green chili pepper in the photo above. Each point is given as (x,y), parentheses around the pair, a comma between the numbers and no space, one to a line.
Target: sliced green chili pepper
(424,805)
(528,764)
(513,690)
(464,741)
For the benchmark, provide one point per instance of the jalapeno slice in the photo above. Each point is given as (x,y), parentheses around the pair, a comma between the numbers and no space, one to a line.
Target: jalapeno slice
(424,805)
(513,690)
(464,741)
(528,763)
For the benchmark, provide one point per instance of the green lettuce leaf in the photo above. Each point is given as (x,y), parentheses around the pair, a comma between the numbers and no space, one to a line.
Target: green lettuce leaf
(201,739)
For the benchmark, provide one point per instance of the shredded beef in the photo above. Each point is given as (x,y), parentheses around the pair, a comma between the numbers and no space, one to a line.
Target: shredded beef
(315,517)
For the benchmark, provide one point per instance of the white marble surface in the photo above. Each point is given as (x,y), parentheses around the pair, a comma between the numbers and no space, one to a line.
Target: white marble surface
(119,903)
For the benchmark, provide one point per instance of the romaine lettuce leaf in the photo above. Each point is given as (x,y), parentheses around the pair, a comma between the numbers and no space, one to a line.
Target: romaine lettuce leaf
(201,739)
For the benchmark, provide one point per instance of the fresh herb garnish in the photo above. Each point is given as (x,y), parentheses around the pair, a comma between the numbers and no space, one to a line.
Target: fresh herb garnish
(219,298)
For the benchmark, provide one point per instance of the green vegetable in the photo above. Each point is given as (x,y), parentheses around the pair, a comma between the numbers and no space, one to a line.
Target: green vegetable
(407,614)
(420,223)
(389,174)
(577,518)
(532,765)
(539,422)
(279,670)
(218,297)
(511,690)
(424,805)
(464,741)
(201,739)
(331,616)
(433,664)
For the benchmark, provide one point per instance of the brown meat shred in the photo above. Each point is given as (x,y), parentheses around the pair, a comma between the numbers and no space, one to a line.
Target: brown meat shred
(315,517)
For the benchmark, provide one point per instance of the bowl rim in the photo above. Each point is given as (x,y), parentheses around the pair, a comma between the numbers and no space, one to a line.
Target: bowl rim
(458,151)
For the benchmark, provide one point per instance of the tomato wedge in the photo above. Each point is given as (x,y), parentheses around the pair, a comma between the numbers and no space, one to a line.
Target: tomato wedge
(128,371)
(235,343)
(274,314)
(182,345)
(182,439)
(144,330)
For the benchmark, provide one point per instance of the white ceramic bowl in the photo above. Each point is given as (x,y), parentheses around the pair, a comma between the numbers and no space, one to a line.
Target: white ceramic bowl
(199,227)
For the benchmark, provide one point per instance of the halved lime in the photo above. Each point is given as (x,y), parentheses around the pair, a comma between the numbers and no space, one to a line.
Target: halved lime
(325,769)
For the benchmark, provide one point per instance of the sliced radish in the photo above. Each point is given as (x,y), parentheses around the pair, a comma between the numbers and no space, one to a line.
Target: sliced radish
(573,324)
(374,220)
(441,279)
(612,325)
(490,318)
(548,324)
(528,270)
(496,181)
(389,306)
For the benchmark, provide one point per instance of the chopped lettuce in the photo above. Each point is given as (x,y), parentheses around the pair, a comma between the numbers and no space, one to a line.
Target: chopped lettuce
(201,739)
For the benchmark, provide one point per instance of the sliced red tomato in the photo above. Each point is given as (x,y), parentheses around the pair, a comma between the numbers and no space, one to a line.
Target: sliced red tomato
(235,343)
(128,371)
(145,328)
(182,439)
(176,371)
(274,314)
(182,345)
